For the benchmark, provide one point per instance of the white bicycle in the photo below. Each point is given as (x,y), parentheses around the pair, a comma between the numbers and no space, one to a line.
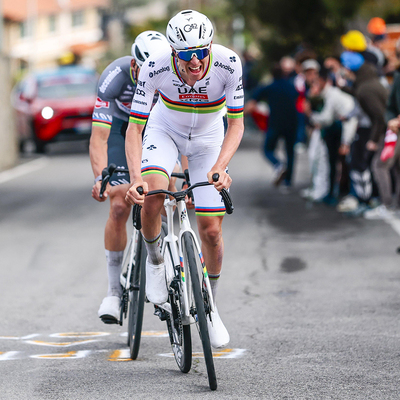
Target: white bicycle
(190,299)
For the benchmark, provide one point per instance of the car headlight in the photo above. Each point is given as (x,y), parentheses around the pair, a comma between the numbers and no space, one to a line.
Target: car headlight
(47,112)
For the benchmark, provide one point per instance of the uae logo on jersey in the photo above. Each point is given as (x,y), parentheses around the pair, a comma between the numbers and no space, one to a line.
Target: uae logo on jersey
(193,94)
(101,103)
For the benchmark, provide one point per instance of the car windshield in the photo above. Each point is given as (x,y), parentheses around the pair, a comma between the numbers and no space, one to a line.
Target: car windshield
(67,86)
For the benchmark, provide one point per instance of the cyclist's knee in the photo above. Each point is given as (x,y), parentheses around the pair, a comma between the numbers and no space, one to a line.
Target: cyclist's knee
(211,233)
(119,209)
(153,205)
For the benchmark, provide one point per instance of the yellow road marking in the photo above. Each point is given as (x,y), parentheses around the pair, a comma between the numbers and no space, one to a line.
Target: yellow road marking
(224,353)
(60,344)
(120,355)
(70,354)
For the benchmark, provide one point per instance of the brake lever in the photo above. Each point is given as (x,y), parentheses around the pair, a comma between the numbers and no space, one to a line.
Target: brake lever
(226,197)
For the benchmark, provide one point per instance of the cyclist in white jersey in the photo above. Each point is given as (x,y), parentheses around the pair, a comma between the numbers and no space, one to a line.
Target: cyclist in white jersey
(198,83)
(116,88)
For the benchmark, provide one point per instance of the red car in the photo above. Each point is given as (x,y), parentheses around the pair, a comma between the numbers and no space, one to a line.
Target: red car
(55,105)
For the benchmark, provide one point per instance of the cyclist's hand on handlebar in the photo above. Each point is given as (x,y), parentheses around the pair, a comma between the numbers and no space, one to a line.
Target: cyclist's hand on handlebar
(224,180)
(96,192)
(133,196)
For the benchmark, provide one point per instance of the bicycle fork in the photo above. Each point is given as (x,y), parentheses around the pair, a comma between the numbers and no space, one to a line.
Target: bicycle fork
(186,227)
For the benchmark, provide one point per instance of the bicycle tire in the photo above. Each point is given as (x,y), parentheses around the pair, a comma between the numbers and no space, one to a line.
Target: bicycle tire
(137,299)
(201,319)
(179,334)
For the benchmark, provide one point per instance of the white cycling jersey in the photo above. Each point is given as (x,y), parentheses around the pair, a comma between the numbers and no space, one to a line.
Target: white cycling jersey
(185,110)
(186,119)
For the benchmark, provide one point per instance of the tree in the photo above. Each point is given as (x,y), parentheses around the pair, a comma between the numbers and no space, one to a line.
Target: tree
(280,26)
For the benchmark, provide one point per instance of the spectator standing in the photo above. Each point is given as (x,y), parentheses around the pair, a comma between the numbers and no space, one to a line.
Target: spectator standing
(317,150)
(281,97)
(332,119)
(372,97)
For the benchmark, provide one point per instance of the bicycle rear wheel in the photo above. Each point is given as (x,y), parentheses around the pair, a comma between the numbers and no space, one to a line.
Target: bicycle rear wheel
(137,298)
(197,309)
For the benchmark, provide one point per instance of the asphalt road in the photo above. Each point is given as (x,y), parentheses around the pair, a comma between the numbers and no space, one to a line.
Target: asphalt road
(310,298)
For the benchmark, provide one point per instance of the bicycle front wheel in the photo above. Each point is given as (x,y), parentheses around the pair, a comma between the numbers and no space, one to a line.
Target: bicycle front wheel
(197,309)
(179,334)
(137,298)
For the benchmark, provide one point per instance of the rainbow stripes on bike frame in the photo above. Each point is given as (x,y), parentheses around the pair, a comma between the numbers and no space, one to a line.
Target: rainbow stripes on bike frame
(203,265)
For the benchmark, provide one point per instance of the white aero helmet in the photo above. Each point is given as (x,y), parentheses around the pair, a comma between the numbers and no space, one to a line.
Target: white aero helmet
(146,43)
(189,29)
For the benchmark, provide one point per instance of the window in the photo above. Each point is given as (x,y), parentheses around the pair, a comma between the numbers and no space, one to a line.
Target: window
(52,23)
(24,29)
(78,18)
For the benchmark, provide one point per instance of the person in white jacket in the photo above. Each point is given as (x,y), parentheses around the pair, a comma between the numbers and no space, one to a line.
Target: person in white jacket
(337,106)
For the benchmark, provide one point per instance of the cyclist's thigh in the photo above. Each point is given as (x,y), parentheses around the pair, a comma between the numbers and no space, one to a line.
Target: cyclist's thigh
(116,151)
(159,154)
(207,200)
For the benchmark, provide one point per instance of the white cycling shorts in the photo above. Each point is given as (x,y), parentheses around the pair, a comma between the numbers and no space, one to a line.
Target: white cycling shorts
(160,152)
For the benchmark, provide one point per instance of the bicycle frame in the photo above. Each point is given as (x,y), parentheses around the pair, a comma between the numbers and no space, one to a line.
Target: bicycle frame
(177,252)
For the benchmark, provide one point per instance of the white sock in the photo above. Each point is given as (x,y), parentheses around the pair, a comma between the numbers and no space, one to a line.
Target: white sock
(214,279)
(114,264)
(153,248)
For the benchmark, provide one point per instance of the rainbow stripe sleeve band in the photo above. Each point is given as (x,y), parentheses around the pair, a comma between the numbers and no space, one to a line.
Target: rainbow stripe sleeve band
(138,117)
(235,112)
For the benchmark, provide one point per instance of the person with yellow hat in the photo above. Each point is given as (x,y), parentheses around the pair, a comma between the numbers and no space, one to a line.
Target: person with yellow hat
(354,41)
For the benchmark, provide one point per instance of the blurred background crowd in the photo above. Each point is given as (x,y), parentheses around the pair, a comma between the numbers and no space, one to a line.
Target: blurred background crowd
(344,110)
(320,76)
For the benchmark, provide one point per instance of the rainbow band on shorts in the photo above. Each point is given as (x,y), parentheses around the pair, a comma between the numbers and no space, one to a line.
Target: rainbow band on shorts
(154,169)
(210,211)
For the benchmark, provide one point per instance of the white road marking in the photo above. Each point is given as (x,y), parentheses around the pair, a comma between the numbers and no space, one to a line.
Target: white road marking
(30,336)
(23,169)
(19,338)
(9,355)
(79,334)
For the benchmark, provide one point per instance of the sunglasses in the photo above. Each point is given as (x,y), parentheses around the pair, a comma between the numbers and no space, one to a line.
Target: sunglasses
(187,55)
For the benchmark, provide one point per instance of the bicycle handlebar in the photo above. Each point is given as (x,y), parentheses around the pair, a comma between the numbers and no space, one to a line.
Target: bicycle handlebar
(107,172)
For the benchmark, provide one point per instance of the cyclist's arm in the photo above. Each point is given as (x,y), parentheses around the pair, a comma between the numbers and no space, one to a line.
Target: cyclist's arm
(98,148)
(101,126)
(133,150)
(231,142)
(98,158)
(234,104)
(140,111)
